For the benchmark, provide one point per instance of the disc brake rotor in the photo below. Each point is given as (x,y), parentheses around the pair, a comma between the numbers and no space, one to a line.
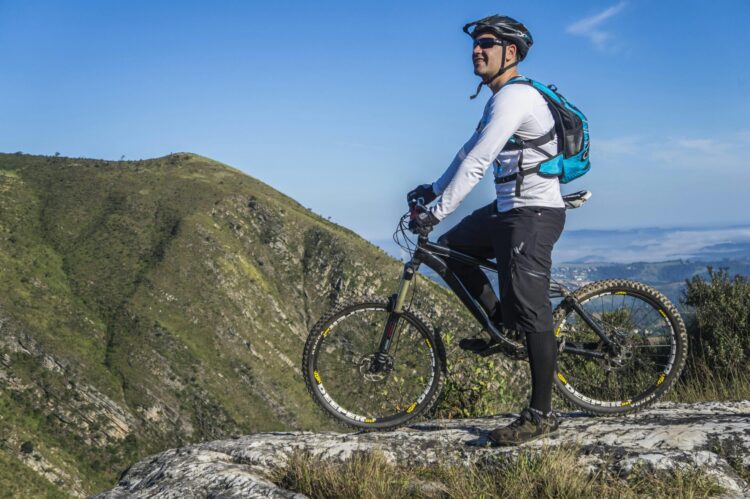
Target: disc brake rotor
(624,352)
(376,367)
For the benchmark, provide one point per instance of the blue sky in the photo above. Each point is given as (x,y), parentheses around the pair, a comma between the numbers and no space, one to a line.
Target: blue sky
(345,106)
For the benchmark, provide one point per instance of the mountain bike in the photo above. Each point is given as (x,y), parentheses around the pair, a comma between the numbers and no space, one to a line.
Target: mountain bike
(376,364)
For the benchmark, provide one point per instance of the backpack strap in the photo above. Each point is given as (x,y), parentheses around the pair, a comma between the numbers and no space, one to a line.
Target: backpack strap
(516,143)
(518,177)
(534,143)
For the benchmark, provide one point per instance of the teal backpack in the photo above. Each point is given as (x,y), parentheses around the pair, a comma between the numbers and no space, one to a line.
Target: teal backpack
(572,130)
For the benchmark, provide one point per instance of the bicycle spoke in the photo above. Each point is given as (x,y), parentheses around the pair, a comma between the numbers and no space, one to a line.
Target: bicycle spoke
(643,346)
(357,378)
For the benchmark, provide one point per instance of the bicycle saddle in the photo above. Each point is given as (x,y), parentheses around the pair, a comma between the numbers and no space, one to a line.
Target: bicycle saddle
(576,199)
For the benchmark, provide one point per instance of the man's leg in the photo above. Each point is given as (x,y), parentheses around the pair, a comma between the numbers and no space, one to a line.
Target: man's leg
(472,235)
(524,252)
(526,238)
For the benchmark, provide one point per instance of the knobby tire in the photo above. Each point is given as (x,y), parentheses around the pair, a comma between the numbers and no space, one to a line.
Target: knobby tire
(349,351)
(578,380)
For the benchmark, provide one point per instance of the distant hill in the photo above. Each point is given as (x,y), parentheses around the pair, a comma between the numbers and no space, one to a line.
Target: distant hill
(668,277)
(148,304)
(655,244)
(662,257)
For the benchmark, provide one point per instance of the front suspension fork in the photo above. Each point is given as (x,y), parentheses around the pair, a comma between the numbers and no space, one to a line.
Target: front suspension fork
(396,307)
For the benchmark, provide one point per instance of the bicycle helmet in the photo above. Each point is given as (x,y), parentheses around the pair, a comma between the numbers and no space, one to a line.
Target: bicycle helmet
(506,29)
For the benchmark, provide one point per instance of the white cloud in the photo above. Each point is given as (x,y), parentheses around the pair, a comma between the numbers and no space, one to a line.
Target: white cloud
(590,27)
(695,153)
(706,146)
(687,153)
(617,147)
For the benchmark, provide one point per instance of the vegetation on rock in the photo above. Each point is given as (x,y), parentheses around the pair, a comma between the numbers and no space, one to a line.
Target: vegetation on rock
(718,321)
(532,473)
(149,304)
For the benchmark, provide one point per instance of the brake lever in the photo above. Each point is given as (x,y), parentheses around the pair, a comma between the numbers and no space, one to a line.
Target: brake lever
(416,206)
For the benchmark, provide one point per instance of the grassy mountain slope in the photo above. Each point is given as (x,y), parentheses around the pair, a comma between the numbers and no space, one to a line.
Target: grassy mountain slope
(145,304)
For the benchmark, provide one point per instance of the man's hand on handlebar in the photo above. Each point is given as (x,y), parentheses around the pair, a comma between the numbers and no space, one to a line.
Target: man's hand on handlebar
(422,220)
(423,192)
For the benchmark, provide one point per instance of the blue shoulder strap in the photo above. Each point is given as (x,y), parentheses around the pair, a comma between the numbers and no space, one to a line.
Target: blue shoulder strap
(516,143)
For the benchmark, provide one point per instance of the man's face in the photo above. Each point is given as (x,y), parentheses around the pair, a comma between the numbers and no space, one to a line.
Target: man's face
(487,61)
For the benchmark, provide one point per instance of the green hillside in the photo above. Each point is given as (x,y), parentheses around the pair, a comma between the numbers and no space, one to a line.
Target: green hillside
(146,304)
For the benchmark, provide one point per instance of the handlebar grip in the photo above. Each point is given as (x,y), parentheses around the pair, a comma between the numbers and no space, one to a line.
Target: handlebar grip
(416,206)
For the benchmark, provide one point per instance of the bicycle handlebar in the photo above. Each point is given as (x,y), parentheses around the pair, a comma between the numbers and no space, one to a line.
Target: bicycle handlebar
(416,206)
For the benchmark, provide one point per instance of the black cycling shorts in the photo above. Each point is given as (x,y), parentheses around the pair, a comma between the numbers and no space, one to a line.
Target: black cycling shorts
(521,240)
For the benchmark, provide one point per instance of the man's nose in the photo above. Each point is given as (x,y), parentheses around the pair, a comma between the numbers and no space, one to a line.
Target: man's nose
(476,50)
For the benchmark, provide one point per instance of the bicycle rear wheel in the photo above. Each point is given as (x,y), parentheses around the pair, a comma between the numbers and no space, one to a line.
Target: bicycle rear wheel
(353,384)
(650,347)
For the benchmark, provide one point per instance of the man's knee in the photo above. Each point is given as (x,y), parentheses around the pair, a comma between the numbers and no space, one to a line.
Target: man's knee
(443,240)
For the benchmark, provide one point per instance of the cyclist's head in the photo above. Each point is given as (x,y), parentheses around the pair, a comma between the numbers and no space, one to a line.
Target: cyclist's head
(505,29)
(500,43)
(490,55)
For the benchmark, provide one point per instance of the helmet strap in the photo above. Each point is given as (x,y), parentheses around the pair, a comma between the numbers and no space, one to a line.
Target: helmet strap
(479,89)
(503,69)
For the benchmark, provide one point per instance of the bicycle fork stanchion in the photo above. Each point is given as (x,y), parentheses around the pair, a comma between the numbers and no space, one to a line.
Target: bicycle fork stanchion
(403,287)
(397,306)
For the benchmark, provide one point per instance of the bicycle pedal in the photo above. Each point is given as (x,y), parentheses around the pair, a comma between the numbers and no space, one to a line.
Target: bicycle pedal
(472,344)
(480,346)
(492,349)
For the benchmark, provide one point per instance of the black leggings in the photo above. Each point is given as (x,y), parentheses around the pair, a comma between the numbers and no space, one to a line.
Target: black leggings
(521,240)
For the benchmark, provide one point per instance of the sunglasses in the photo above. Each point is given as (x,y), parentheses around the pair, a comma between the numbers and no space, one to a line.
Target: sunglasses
(485,43)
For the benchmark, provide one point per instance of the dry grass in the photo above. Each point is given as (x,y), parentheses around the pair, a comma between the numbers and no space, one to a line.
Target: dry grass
(549,472)
(700,384)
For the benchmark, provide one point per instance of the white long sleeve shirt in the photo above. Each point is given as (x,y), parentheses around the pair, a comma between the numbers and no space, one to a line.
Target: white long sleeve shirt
(515,109)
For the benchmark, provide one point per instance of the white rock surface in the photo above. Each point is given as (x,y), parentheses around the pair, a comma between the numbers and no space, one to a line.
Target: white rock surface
(663,437)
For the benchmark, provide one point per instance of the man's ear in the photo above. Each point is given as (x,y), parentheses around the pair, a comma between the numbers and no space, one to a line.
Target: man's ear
(511,52)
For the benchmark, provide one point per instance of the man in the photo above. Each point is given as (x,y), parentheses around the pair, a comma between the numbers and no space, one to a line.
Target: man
(521,226)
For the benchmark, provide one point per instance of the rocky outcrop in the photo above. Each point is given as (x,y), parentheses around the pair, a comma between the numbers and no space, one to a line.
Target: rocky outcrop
(713,436)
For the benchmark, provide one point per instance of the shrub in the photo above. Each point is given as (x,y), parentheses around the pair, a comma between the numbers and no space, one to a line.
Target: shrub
(718,329)
(479,386)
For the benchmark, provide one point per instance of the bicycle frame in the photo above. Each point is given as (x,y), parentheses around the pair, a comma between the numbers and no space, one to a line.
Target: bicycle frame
(434,256)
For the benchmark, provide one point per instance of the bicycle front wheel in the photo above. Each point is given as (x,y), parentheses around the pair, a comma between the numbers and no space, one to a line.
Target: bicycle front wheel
(648,351)
(355,383)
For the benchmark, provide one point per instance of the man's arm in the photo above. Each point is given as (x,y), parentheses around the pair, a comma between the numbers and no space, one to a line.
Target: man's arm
(506,114)
(440,184)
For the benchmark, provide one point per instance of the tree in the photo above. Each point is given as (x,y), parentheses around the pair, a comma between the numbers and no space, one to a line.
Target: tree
(720,327)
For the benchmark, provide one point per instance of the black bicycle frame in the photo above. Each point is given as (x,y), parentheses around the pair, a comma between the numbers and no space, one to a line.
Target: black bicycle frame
(434,255)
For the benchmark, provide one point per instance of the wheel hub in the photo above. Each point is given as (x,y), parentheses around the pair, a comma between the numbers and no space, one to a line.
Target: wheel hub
(376,367)
(623,351)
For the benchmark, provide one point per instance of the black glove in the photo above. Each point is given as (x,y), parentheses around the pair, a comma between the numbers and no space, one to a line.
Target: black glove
(424,191)
(422,224)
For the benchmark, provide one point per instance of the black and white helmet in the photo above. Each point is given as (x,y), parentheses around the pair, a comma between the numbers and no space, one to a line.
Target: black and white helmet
(505,28)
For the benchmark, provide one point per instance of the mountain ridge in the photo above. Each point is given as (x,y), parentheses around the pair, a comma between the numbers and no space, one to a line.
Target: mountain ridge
(148,304)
